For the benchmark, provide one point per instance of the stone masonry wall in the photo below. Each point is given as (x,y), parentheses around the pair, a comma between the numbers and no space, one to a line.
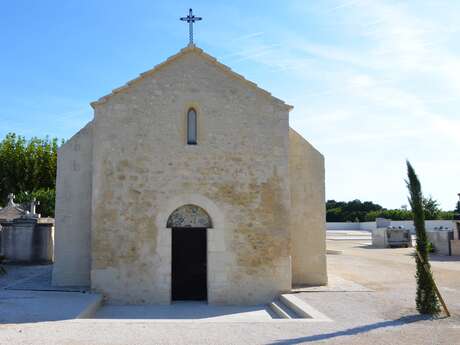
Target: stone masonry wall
(143,170)
(73,210)
(307,214)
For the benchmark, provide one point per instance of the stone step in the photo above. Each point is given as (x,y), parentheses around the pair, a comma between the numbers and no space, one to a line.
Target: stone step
(280,309)
(95,302)
(301,308)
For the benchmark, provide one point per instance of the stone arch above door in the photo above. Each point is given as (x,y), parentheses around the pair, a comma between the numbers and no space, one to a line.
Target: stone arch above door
(189,216)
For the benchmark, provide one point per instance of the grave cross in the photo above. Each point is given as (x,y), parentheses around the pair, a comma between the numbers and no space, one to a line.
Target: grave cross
(11,200)
(190,19)
(33,206)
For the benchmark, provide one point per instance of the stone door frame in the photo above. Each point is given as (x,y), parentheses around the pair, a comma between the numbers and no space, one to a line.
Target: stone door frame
(216,245)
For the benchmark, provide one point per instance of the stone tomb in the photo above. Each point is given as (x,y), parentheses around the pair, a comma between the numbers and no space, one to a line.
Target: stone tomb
(390,236)
(190,175)
(25,236)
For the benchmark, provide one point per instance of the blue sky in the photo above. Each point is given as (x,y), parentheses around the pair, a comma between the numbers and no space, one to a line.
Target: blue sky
(373,82)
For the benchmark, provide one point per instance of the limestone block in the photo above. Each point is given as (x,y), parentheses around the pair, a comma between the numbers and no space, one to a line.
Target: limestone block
(216,240)
(382,222)
(73,210)
(307,219)
(379,238)
(441,241)
(455,247)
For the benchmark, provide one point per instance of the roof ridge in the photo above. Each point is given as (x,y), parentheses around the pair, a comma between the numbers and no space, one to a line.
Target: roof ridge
(183,51)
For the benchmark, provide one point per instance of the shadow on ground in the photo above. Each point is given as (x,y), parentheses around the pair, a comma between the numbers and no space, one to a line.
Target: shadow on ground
(444,258)
(405,320)
(438,257)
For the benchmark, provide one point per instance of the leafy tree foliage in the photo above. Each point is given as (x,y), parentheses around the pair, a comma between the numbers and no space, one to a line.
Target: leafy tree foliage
(426,299)
(389,214)
(431,208)
(45,196)
(355,210)
(456,212)
(352,211)
(28,166)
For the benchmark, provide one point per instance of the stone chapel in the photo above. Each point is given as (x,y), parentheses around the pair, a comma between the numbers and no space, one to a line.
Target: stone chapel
(188,184)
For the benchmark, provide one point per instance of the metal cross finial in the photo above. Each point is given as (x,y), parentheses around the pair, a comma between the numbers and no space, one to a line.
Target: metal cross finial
(190,19)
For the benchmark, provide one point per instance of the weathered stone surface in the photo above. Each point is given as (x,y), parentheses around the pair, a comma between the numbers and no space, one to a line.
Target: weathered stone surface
(140,170)
(28,240)
(441,241)
(307,212)
(391,237)
(73,210)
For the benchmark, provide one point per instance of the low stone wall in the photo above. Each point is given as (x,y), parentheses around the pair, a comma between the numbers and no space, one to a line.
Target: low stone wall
(369,226)
(28,240)
(342,226)
(444,241)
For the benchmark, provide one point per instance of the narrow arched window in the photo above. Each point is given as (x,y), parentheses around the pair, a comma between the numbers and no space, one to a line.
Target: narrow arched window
(191,127)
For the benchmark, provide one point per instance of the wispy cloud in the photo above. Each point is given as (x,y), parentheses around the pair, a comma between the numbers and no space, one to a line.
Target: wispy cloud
(346,4)
(248,36)
(385,89)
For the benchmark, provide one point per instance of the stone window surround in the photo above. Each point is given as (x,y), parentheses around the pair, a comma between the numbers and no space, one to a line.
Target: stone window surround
(192,124)
(188,105)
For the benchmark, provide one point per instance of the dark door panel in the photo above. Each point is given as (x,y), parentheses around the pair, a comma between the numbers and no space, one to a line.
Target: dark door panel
(189,258)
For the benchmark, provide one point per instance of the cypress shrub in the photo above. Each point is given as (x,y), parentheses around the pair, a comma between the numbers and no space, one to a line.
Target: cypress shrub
(426,299)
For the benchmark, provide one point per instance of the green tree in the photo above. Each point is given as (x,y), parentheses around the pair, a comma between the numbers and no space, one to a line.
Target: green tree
(456,212)
(426,299)
(28,166)
(389,214)
(446,215)
(46,198)
(431,208)
(351,211)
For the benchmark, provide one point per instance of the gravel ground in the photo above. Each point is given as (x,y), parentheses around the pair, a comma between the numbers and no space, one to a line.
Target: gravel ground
(385,315)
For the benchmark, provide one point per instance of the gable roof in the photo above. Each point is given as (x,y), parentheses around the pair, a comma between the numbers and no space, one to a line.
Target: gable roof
(189,49)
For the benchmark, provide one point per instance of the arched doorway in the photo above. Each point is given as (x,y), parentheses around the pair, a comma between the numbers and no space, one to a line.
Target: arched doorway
(189,224)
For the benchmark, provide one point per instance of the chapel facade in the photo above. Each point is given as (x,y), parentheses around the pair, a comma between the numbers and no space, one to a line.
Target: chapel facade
(188,184)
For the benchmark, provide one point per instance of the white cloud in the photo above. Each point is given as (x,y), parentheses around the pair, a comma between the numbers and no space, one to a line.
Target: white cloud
(380,85)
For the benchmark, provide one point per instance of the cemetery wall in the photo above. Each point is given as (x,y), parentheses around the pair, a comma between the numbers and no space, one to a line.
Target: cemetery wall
(429,224)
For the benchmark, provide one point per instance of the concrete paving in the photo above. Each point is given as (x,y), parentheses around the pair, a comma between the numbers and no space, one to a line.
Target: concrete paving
(346,235)
(38,306)
(186,311)
(33,278)
(26,295)
(377,309)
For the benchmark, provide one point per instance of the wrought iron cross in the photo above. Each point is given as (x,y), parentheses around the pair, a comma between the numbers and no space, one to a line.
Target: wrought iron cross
(190,19)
